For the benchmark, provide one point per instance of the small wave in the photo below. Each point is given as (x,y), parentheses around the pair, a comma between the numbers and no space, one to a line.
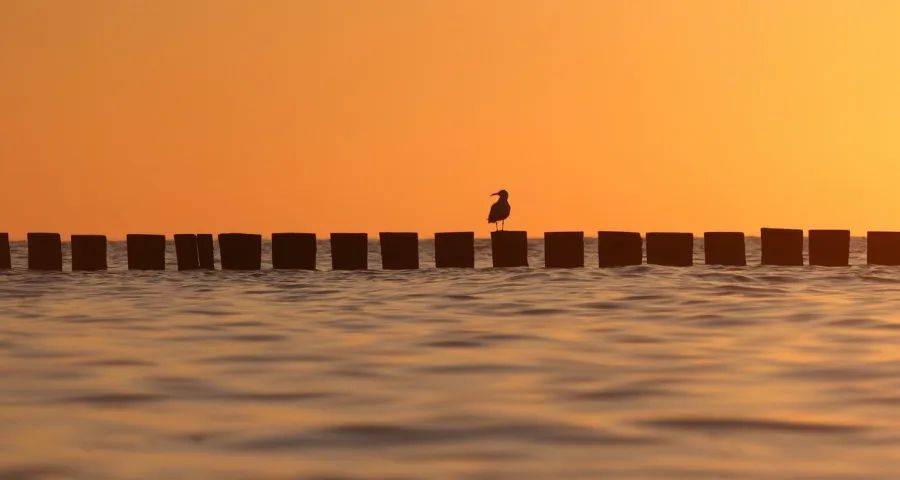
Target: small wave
(37,472)
(602,305)
(115,399)
(253,338)
(832,373)
(540,311)
(245,359)
(636,339)
(474,368)
(374,435)
(617,394)
(213,312)
(117,362)
(737,425)
(454,344)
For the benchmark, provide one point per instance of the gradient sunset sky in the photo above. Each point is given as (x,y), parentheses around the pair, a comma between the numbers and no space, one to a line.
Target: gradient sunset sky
(209,116)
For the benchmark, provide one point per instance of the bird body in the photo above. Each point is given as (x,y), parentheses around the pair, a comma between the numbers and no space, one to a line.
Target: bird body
(500,209)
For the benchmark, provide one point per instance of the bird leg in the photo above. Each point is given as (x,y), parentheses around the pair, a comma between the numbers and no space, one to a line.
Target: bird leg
(502,224)
(496,228)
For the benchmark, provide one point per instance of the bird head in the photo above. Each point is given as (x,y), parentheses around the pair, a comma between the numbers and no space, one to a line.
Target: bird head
(501,193)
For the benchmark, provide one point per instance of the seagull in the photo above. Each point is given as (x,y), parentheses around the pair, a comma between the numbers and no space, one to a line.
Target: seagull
(500,209)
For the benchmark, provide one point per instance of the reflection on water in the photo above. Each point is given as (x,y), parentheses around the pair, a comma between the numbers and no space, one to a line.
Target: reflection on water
(639,372)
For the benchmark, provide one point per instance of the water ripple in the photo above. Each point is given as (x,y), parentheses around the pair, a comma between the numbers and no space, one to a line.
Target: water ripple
(639,372)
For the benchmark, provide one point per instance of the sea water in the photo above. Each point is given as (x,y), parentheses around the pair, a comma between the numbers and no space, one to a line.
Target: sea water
(641,372)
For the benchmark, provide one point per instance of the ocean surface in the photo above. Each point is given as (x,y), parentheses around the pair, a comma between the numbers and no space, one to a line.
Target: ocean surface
(641,372)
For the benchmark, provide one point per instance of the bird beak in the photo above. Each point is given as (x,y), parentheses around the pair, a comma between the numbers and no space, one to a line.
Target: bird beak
(495,193)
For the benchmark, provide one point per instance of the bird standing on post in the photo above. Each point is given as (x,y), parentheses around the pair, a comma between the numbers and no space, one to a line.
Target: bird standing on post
(500,209)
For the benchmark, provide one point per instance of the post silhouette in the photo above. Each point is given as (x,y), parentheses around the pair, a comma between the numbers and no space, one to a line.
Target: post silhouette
(724,248)
(399,250)
(829,248)
(619,249)
(5,257)
(454,249)
(240,251)
(673,249)
(146,251)
(294,251)
(88,252)
(205,251)
(509,248)
(563,249)
(883,248)
(781,246)
(349,251)
(44,251)
(186,251)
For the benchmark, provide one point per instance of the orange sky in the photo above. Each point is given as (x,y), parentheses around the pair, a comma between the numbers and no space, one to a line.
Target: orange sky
(162,116)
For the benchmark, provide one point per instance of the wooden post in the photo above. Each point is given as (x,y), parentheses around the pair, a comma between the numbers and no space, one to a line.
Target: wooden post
(724,248)
(88,252)
(349,251)
(44,251)
(781,246)
(294,251)
(186,251)
(619,249)
(509,248)
(563,249)
(240,251)
(883,248)
(670,249)
(829,248)
(205,251)
(146,252)
(454,249)
(5,257)
(399,250)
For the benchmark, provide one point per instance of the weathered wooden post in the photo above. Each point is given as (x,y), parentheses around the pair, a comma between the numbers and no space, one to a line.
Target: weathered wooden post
(883,248)
(294,251)
(5,257)
(781,246)
(673,249)
(146,252)
(206,251)
(509,248)
(563,249)
(88,252)
(619,249)
(44,251)
(240,251)
(829,248)
(186,252)
(399,250)
(454,249)
(724,248)
(349,251)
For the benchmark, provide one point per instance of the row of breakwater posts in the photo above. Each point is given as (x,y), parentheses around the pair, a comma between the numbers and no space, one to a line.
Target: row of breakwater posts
(400,250)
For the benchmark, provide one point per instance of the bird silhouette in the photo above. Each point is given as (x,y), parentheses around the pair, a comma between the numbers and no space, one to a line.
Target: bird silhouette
(500,209)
